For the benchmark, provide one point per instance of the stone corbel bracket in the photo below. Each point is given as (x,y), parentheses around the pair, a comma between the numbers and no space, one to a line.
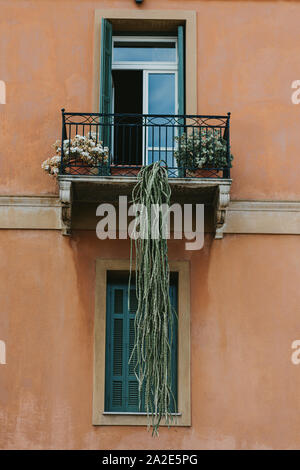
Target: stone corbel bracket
(222,200)
(66,197)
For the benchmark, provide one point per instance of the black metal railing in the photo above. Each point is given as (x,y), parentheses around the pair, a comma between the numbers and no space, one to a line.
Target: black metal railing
(190,146)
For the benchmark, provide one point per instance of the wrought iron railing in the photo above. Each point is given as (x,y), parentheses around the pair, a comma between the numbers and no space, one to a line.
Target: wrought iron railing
(190,146)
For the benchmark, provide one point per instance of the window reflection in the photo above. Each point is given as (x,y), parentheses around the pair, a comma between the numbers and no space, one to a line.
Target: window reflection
(161,96)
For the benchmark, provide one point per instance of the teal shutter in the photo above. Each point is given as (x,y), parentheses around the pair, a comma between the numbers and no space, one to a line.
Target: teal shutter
(105,67)
(105,87)
(121,386)
(132,383)
(115,342)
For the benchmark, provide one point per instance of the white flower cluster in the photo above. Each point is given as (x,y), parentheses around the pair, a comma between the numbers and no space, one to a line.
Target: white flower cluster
(200,149)
(80,149)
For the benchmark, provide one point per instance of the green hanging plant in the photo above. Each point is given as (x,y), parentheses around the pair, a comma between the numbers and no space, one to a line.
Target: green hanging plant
(154,316)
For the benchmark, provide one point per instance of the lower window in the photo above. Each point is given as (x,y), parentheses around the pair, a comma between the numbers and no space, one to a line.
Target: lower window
(115,394)
(121,385)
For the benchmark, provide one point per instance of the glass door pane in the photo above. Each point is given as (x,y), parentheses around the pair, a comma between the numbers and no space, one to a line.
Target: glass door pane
(161,101)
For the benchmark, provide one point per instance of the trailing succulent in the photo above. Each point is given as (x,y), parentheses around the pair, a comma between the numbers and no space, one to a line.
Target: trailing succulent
(201,149)
(154,320)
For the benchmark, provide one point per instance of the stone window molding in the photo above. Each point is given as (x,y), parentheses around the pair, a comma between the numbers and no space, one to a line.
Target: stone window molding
(151,20)
(100,417)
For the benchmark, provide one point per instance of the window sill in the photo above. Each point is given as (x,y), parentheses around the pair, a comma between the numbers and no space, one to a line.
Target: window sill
(130,413)
(112,418)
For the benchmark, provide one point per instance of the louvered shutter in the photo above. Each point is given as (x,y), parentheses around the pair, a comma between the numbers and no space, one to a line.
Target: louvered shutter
(132,384)
(115,336)
(121,386)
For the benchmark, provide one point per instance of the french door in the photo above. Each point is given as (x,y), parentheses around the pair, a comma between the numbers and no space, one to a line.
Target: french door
(154,68)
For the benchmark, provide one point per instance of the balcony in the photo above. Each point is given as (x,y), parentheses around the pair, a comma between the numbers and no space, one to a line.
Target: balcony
(194,149)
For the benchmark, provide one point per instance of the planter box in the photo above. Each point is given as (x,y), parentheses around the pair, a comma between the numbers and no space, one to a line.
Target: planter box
(200,173)
(118,170)
(87,170)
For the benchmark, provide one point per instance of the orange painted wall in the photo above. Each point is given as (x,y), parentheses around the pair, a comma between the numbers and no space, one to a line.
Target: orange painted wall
(247,60)
(244,289)
(244,316)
